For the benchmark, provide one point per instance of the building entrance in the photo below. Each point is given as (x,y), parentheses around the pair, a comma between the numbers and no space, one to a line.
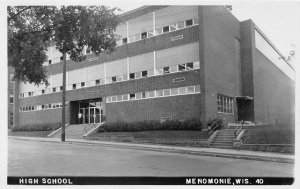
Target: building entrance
(91,111)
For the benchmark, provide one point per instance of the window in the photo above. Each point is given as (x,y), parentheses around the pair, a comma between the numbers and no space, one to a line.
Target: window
(166,69)
(188,23)
(11,119)
(167,92)
(143,94)
(119,78)
(174,69)
(190,89)
(144,73)
(189,66)
(159,93)
(61,88)
(180,25)
(182,90)
(225,104)
(54,89)
(158,31)
(150,33)
(137,37)
(173,27)
(29,108)
(11,78)
(97,82)
(125,97)
(50,61)
(61,58)
(108,80)
(132,76)
(131,39)
(174,91)
(114,79)
(30,93)
(144,35)
(114,99)
(11,98)
(197,89)
(119,98)
(108,99)
(150,94)
(138,75)
(74,86)
(166,29)
(159,71)
(124,40)
(49,105)
(43,91)
(43,107)
(196,65)
(181,67)
(82,84)
(138,95)
(132,96)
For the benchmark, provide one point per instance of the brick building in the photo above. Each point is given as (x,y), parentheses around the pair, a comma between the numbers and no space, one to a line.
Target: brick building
(172,62)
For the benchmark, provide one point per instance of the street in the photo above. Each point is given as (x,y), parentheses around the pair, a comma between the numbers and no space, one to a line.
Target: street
(33,158)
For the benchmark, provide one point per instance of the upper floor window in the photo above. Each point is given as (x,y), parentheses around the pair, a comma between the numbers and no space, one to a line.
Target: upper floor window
(188,23)
(11,98)
(11,78)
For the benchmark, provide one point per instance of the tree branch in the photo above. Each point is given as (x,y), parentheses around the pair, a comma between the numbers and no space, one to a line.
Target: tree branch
(9,19)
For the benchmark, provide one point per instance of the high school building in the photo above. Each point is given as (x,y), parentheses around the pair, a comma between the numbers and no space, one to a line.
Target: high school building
(171,62)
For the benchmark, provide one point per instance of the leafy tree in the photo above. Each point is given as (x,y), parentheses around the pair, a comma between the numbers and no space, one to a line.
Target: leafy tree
(32,29)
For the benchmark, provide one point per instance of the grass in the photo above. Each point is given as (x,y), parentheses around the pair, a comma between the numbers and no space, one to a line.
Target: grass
(29,133)
(270,135)
(179,138)
(155,134)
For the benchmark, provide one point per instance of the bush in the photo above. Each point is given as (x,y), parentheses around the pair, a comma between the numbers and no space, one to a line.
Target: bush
(38,127)
(153,125)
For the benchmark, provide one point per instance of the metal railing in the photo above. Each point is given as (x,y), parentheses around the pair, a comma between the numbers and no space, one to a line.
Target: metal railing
(239,129)
(212,130)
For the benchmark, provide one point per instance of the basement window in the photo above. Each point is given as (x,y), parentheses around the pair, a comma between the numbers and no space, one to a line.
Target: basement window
(61,88)
(144,73)
(189,66)
(98,82)
(74,86)
(166,70)
(132,76)
(124,40)
(132,96)
(82,84)
(114,79)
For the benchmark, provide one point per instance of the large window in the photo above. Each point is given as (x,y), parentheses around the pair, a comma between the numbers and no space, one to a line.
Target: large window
(225,104)
(11,98)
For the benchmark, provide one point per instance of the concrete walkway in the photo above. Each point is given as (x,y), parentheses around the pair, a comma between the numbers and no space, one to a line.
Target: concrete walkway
(215,152)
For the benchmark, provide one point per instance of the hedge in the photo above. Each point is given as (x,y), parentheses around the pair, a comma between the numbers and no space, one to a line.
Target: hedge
(38,127)
(153,125)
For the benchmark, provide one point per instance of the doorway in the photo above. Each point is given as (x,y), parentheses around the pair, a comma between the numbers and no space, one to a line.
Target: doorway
(91,111)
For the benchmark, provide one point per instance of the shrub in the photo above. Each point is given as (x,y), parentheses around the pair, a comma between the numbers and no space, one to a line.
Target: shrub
(152,125)
(38,127)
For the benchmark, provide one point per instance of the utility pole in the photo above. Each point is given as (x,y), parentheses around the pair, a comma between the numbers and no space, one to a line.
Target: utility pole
(63,117)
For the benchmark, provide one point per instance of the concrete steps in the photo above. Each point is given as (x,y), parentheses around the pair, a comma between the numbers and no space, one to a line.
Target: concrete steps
(75,131)
(223,139)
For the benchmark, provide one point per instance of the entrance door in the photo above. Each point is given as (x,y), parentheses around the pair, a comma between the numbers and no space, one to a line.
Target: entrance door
(91,111)
(84,118)
(95,115)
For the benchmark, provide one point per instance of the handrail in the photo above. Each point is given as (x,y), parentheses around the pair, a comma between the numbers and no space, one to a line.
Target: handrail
(211,131)
(238,128)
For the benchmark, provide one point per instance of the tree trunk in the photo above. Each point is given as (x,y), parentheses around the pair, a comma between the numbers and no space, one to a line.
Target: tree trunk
(63,117)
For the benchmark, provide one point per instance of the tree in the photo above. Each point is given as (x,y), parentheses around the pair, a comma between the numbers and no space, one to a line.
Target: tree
(31,30)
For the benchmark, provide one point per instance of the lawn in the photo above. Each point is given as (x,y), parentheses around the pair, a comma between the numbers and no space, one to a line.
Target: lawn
(277,139)
(29,133)
(181,138)
(270,135)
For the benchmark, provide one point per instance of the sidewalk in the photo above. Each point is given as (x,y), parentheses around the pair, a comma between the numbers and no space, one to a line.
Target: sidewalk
(215,152)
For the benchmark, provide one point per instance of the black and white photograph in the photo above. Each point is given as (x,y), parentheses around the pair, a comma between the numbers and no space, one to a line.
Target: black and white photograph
(122,93)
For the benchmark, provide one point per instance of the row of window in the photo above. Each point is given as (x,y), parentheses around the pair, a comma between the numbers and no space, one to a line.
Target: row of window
(225,104)
(41,107)
(158,31)
(154,94)
(137,75)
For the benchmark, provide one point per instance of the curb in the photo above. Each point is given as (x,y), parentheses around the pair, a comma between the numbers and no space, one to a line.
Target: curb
(171,150)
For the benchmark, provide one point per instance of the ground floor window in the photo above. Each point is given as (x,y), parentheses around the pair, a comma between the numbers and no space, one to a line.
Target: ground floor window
(225,104)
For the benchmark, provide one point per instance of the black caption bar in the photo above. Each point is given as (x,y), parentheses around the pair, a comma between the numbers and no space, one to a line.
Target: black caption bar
(150,180)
